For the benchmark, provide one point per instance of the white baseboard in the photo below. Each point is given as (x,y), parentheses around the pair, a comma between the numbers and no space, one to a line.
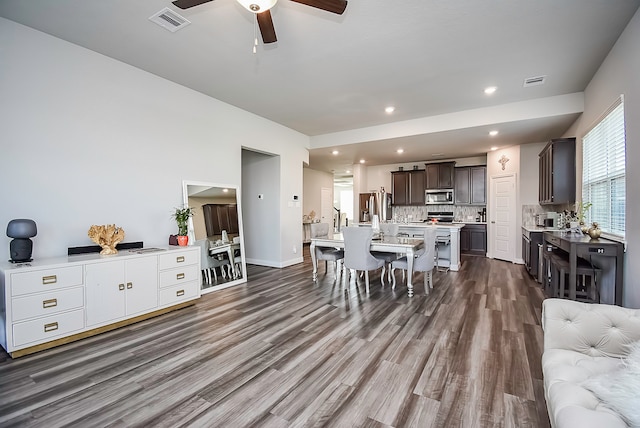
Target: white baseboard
(271,263)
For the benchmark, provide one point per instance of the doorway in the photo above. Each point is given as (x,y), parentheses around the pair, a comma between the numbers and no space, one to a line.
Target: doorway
(503,227)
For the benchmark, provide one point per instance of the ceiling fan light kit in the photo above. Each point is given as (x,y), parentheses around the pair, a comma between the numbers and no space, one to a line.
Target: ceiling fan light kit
(257,6)
(261,9)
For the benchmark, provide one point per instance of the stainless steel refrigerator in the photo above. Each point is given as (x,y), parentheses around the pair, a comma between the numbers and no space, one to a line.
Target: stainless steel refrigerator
(375,203)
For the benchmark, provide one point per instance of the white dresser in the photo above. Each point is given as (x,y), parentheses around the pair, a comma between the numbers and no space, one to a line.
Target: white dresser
(46,303)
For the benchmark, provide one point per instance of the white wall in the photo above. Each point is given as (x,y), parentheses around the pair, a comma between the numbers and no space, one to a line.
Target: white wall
(617,75)
(90,140)
(314,181)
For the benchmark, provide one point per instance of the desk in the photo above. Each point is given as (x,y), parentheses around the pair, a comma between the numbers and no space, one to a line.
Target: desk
(388,244)
(606,254)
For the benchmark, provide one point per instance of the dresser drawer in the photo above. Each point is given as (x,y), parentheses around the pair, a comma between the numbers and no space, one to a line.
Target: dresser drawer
(178,259)
(52,302)
(47,328)
(179,276)
(179,293)
(45,280)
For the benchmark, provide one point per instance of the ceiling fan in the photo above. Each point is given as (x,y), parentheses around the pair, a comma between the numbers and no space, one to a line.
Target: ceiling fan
(261,9)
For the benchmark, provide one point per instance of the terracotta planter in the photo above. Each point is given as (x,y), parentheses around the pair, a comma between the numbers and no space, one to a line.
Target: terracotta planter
(183,240)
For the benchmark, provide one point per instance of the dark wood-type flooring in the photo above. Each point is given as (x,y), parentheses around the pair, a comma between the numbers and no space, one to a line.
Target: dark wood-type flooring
(282,351)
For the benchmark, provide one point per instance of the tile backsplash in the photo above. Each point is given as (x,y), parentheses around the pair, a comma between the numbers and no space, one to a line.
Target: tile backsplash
(417,213)
(529,212)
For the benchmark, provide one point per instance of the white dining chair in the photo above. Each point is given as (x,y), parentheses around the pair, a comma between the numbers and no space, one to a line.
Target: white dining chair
(387,229)
(321,230)
(357,252)
(209,263)
(424,262)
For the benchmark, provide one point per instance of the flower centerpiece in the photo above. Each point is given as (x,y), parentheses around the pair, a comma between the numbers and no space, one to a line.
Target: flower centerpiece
(182,216)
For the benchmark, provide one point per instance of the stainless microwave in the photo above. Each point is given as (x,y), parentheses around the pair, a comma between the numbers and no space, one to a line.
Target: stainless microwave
(438,197)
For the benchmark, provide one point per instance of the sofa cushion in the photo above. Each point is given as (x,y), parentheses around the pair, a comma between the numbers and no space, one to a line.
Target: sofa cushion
(567,400)
(619,389)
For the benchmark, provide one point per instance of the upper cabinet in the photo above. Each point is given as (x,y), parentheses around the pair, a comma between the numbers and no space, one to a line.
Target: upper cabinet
(219,217)
(408,187)
(470,185)
(557,172)
(440,175)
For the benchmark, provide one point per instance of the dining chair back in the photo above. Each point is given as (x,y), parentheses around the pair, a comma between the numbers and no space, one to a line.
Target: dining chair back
(425,262)
(357,252)
(321,230)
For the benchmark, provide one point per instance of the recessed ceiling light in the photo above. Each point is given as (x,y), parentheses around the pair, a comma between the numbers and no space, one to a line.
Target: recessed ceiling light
(493,133)
(225,190)
(400,150)
(361,160)
(493,149)
(490,90)
(348,171)
(335,152)
(389,109)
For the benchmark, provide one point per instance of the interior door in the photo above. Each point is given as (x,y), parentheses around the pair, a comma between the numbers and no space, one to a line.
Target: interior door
(326,206)
(503,217)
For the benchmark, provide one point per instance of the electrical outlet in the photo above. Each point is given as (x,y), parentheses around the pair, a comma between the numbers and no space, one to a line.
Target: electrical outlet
(295,249)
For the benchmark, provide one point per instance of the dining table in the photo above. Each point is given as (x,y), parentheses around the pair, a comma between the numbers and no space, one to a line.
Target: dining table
(384,243)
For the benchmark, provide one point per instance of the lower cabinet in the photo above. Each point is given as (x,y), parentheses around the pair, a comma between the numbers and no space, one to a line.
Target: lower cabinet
(121,288)
(473,239)
(46,303)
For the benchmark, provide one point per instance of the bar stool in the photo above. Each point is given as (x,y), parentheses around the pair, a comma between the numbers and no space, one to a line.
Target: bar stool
(587,279)
(442,241)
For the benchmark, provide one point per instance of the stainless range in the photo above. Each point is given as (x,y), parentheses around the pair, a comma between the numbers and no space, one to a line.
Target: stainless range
(440,216)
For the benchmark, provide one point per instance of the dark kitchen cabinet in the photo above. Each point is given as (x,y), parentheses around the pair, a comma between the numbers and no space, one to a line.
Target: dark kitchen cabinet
(219,217)
(470,185)
(473,239)
(557,172)
(408,187)
(530,241)
(440,175)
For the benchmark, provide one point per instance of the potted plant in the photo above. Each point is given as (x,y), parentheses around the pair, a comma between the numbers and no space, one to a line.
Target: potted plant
(181,216)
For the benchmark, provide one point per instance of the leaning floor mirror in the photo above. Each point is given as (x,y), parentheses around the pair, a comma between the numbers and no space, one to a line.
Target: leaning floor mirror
(216,227)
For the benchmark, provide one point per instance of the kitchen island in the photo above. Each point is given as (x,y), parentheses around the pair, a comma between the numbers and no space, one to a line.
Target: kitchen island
(449,255)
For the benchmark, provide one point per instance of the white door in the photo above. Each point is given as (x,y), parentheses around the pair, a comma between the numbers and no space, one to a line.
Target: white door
(503,217)
(326,206)
(105,291)
(141,284)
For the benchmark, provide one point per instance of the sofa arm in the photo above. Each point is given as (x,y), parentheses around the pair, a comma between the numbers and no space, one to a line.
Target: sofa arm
(592,329)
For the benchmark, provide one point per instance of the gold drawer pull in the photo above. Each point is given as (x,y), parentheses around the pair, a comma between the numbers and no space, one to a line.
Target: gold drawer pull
(49,303)
(51,279)
(121,287)
(180,293)
(50,327)
(180,276)
(179,259)
(129,285)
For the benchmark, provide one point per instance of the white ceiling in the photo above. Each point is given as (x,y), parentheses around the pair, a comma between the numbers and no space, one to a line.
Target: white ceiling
(331,76)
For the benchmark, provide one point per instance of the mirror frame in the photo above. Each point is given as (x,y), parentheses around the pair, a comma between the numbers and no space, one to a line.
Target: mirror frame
(192,236)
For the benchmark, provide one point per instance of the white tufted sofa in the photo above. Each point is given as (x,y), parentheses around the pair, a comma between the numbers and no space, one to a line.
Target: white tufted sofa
(582,340)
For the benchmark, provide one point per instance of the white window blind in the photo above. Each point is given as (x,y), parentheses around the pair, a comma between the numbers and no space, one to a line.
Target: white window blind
(603,171)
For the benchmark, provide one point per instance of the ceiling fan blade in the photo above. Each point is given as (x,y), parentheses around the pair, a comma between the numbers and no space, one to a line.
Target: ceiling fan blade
(333,6)
(186,4)
(267,29)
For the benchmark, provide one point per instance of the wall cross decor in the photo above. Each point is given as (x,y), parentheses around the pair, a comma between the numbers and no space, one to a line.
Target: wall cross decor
(503,160)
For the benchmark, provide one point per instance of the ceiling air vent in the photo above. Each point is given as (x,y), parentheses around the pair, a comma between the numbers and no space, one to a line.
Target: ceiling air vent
(170,20)
(534,81)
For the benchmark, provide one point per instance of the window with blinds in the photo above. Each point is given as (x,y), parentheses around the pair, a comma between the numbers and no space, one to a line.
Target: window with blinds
(603,171)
